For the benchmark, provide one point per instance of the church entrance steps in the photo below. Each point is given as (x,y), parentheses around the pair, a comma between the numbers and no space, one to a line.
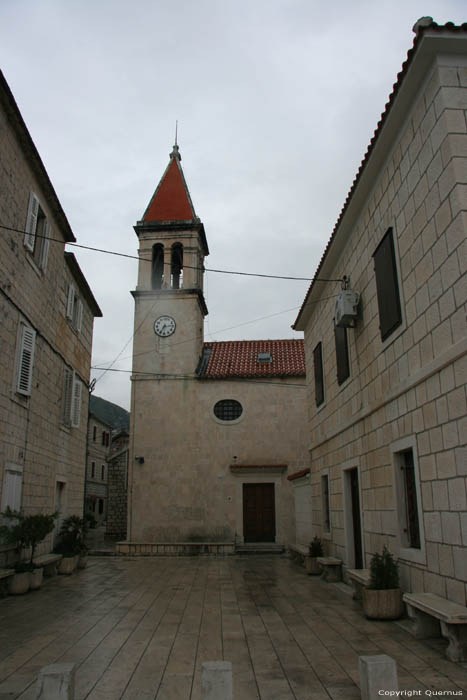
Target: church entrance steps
(259,548)
(175,549)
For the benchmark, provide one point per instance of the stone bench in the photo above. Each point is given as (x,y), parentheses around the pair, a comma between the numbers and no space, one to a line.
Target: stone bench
(360,579)
(300,552)
(48,562)
(432,615)
(331,568)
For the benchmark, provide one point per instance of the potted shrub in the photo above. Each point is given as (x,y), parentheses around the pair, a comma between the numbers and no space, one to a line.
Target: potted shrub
(69,543)
(26,532)
(316,550)
(382,600)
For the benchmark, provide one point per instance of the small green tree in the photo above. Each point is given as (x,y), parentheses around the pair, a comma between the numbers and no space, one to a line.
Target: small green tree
(71,536)
(27,531)
(384,571)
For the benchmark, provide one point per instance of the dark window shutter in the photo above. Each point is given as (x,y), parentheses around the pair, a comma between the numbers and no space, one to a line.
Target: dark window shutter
(319,381)
(342,354)
(389,305)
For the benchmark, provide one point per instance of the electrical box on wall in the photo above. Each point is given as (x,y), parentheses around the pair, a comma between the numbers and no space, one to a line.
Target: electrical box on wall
(346,308)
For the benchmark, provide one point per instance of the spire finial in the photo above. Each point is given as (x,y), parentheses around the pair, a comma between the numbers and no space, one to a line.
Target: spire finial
(175,151)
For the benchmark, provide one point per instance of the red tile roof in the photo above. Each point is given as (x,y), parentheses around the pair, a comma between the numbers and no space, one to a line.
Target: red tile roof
(297,475)
(420,31)
(239,358)
(171,201)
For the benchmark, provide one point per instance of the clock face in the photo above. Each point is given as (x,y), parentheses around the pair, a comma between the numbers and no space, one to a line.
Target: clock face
(164,326)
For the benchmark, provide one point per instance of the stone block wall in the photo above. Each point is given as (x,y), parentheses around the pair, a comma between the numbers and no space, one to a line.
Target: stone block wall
(117,496)
(411,388)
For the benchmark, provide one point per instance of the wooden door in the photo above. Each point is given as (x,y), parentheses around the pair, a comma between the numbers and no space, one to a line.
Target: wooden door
(356,522)
(259,513)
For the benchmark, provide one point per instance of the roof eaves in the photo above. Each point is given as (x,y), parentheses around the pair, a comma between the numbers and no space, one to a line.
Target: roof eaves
(24,137)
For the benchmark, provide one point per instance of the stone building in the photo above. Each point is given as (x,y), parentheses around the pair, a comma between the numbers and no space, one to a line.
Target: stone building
(95,491)
(387,376)
(47,311)
(215,427)
(117,485)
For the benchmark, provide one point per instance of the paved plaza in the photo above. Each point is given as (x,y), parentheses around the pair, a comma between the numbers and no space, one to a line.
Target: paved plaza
(141,628)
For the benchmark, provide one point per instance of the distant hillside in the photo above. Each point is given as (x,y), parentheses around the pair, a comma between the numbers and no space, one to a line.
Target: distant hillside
(109,412)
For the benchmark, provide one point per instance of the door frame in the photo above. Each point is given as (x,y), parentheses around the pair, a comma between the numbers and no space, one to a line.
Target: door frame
(348,515)
(261,484)
(259,475)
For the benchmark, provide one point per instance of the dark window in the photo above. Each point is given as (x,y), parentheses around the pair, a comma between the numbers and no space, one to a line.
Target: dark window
(94,434)
(177,266)
(157,276)
(387,287)
(93,470)
(101,506)
(319,380)
(342,354)
(228,409)
(103,472)
(412,529)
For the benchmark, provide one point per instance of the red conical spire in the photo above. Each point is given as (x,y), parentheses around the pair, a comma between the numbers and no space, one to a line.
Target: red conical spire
(171,201)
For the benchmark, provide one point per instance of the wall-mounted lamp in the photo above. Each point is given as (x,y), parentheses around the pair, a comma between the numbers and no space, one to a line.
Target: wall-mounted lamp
(140,460)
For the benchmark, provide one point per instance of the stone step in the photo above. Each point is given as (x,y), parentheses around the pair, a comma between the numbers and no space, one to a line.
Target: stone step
(259,548)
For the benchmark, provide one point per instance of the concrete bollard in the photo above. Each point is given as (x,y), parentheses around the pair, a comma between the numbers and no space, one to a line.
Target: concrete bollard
(377,673)
(56,682)
(216,680)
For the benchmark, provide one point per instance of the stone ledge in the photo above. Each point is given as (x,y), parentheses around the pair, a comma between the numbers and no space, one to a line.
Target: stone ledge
(174,549)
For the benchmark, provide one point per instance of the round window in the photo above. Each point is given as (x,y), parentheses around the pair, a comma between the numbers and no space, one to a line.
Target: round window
(228,409)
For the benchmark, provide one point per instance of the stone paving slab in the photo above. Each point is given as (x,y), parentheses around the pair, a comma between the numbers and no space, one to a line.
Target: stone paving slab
(140,630)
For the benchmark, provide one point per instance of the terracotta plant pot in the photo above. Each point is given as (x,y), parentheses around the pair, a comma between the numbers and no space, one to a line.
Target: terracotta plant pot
(19,583)
(35,579)
(382,604)
(67,565)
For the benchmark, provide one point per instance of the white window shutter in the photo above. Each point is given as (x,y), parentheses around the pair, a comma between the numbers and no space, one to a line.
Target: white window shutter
(76,404)
(25,360)
(67,395)
(45,246)
(31,222)
(12,487)
(70,302)
(79,315)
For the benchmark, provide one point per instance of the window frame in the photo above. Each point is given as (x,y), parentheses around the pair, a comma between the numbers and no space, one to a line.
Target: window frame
(326,504)
(17,471)
(74,308)
(388,285)
(72,398)
(407,552)
(228,421)
(342,354)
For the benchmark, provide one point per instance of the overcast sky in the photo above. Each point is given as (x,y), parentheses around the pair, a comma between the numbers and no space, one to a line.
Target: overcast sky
(276,102)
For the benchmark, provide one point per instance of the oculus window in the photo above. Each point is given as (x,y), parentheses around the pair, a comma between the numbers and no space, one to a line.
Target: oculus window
(228,409)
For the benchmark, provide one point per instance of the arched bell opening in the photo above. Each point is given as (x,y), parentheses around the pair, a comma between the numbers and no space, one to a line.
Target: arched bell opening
(157,277)
(176,267)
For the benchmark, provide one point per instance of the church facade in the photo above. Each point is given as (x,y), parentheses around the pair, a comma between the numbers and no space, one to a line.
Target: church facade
(216,428)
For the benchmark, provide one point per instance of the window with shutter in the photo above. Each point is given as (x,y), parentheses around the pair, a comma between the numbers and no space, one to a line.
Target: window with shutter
(319,379)
(387,286)
(37,237)
(67,396)
(74,309)
(12,488)
(76,402)
(342,354)
(70,302)
(27,342)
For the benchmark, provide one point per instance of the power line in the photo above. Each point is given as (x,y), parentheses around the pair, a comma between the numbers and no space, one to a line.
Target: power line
(190,267)
(196,379)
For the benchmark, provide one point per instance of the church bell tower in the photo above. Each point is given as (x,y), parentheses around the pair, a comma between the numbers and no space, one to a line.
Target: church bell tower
(169,300)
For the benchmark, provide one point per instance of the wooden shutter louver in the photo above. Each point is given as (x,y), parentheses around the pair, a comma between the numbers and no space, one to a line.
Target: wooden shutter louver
(26,360)
(45,247)
(387,286)
(342,354)
(319,379)
(67,395)
(70,302)
(76,402)
(12,488)
(31,222)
